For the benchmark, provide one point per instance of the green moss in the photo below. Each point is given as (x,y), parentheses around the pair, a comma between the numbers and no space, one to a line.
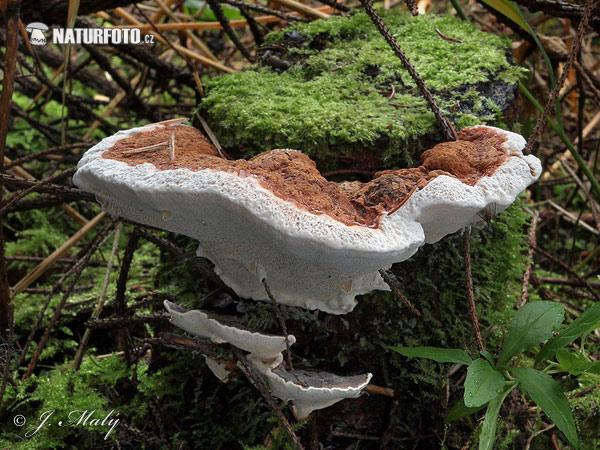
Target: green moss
(57,399)
(327,103)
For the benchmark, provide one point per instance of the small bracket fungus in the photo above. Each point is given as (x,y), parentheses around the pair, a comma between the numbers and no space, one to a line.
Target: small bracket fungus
(308,390)
(319,244)
(264,346)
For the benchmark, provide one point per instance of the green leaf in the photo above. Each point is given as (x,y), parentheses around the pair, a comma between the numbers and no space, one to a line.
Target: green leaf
(506,8)
(443,355)
(584,324)
(548,395)
(459,410)
(576,363)
(483,383)
(487,355)
(533,323)
(488,429)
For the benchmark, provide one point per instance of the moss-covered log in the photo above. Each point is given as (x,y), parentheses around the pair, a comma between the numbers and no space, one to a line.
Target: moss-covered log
(334,89)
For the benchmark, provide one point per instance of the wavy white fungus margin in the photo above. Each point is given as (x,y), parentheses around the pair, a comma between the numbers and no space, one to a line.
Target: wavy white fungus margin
(309,260)
(319,389)
(265,346)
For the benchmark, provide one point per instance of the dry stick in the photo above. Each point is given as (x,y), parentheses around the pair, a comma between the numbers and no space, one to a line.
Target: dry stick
(447,129)
(172,147)
(189,33)
(41,268)
(394,285)
(66,208)
(120,304)
(149,148)
(55,288)
(212,137)
(8,354)
(32,156)
(11,16)
(541,123)
(283,326)
(119,322)
(263,9)
(8,202)
(586,190)
(258,383)
(471,296)
(582,280)
(302,9)
(532,242)
(220,15)
(589,83)
(98,309)
(96,243)
(413,7)
(197,263)
(253,25)
(179,49)
(58,190)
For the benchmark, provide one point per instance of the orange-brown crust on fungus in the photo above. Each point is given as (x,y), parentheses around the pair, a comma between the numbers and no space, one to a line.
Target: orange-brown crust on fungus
(293,176)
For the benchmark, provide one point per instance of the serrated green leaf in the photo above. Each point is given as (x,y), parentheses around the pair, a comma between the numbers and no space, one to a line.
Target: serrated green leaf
(488,429)
(460,410)
(548,395)
(584,324)
(443,355)
(483,383)
(533,323)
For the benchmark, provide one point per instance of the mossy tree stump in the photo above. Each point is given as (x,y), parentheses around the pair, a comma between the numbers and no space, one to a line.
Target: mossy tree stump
(334,90)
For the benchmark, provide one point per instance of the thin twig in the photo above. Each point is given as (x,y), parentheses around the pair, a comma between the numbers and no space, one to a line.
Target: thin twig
(96,243)
(10,201)
(541,123)
(254,378)
(283,328)
(447,129)
(98,309)
(9,351)
(470,294)
(582,280)
(220,15)
(394,285)
(149,148)
(11,18)
(120,304)
(531,242)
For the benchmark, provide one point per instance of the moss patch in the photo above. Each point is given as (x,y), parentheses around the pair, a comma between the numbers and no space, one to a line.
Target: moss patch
(334,99)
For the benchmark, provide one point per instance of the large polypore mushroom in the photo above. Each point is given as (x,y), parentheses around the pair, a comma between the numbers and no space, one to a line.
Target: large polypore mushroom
(317,243)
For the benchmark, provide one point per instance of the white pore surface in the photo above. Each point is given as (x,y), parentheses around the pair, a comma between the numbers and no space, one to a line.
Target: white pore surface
(309,260)
(305,398)
(198,323)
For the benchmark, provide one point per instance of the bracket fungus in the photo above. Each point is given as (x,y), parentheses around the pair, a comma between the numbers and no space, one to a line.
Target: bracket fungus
(219,330)
(319,244)
(306,389)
